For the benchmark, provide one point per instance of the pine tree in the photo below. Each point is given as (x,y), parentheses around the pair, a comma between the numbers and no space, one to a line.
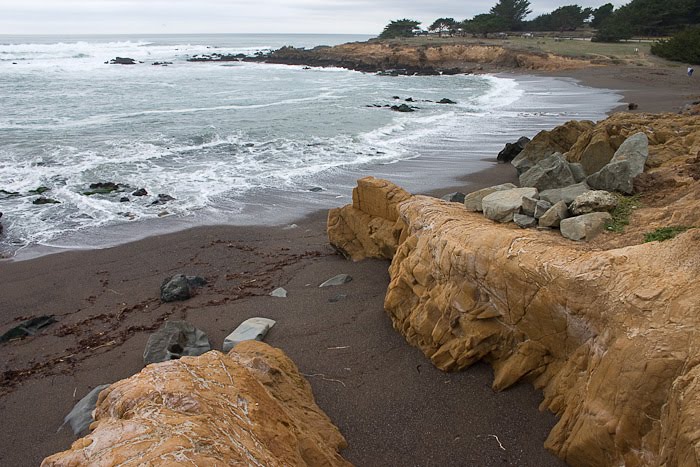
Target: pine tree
(512,12)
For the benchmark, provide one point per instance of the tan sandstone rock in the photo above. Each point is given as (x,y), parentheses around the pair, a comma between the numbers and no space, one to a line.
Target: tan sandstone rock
(670,136)
(594,148)
(370,227)
(250,407)
(398,54)
(609,336)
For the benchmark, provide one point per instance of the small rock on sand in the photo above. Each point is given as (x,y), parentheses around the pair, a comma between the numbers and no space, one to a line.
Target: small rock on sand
(279,292)
(340,279)
(248,330)
(80,417)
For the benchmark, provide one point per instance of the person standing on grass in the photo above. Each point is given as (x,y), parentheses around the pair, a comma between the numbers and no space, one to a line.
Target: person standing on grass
(690,71)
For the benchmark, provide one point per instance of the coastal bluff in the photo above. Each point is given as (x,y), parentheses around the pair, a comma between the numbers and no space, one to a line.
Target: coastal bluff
(427,59)
(607,330)
(248,407)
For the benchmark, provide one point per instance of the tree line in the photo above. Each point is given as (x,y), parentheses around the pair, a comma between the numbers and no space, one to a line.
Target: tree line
(656,18)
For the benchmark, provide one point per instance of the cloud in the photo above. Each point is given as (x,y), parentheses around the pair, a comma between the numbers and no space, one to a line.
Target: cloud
(234,16)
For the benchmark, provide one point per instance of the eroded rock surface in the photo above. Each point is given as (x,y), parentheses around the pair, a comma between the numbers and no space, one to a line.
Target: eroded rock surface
(406,58)
(609,336)
(250,407)
(370,226)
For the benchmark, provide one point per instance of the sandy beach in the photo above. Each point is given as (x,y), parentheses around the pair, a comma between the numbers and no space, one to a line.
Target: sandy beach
(392,405)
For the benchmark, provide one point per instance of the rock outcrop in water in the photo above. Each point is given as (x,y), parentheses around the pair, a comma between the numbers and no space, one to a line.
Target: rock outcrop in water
(607,331)
(250,407)
(405,58)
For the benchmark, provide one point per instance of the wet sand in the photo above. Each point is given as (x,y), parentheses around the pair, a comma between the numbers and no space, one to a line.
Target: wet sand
(393,407)
(665,88)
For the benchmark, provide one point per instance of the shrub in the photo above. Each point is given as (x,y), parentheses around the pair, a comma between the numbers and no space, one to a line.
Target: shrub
(683,47)
(664,233)
(621,214)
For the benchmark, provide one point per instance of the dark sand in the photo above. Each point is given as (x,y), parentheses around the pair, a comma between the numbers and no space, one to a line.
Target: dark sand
(391,404)
(665,88)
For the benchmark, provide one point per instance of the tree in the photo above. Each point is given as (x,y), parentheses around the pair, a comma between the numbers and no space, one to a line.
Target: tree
(569,17)
(484,24)
(443,25)
(540,23)
(683,47)
(649,18)
(614,29)
(600,13)
(511,12)
(565,18)
(400,28)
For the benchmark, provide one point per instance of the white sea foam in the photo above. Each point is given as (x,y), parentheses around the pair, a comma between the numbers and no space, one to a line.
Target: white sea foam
(501,92)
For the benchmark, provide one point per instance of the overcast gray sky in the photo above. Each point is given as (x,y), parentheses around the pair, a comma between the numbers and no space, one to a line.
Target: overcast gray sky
(236,16)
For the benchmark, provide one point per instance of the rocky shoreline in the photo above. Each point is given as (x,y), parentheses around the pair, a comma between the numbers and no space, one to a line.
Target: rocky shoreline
(396,58)
(606,330)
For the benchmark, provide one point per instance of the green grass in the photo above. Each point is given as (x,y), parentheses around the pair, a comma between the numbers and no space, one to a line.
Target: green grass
(664,233)
(624,51)
(621,214)
(578,48)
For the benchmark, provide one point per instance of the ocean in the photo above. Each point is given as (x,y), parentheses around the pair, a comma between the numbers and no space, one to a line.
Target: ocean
(236,142)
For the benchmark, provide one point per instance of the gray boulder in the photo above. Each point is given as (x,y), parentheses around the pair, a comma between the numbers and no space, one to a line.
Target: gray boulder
(173,340)
(524,221)
(616,176)
(249,330)
(593,201)
(534,207)
(554,215)
(627,163)
(635,150)
(180,287)
(472,201)
(529,205)
(584,227)
(551,172)
(577,171)
(522,163)
(545,143)
(501,205)
(541,208)
(80,417)
(567,194)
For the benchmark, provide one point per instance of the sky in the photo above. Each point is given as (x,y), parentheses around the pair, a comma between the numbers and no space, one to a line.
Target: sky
(237,16)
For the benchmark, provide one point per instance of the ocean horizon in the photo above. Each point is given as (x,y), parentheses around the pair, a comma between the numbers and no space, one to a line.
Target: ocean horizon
(233,142)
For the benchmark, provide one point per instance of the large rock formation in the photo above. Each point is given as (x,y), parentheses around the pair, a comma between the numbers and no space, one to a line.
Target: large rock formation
(609,336)
(250,407)
(626,164)
(547,142)
(370,226)
(410,58)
